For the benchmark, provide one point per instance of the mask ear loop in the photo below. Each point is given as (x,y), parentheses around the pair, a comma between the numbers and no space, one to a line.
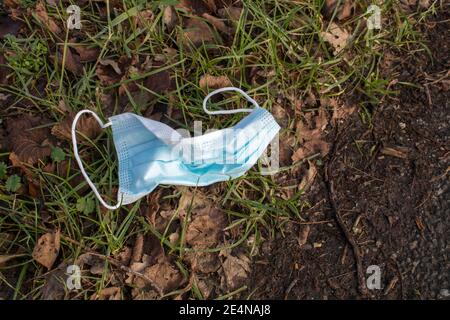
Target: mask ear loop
(80,164)
(243,93)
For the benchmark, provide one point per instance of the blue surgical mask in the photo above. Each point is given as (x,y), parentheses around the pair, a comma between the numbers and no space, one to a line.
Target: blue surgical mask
(152,153)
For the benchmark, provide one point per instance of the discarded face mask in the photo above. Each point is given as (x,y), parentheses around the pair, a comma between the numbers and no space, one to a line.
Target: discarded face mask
(151,153)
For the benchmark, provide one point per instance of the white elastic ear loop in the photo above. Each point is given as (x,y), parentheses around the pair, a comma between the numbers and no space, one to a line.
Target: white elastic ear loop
(80,164)
(246,96)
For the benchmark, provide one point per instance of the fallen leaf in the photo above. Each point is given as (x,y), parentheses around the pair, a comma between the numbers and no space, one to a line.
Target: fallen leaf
(144,18)
(170,17)
(424,4)
(111,293)
(159,83)
(11,3)
(205,229)
(308,179)
(232,13)
(164,274)
(87,127)
(313,125)
(43,17)
(138,249)
(46,249)
(87,54)
(341,111)
(196,6)
(28,142)
(196,33)
(111,71)
(204,284)
(309,148)
(236,271)
(72,61)
(410,6)
(55,283)
(304,233)
(217,23)
(214,82)
(286,148)
(112,63)
(344,9)
(204,262)
(337,37)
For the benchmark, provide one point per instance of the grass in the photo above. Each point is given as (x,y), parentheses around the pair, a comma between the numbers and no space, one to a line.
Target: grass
(279,38)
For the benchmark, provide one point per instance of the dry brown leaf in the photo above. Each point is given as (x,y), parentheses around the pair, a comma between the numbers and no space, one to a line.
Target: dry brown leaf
(11,3)
(55,282)
(412,5)
(398,152)
(231,13)
(170,17)
(205,229)
(204,262)
(313,126)
(308,179)
(214,82)
(29,143)
(159,83)
(219,24)
(87,54)
(144,18)
(46,249)
(110,71)
(164,274)
(111,293)
(338,37)
(196,6)
(72,61)
(138,249)
(42,16)
(196,33)
(309,148)
(280,114)
(345,9)
(236,271)
(204,284)
(341,111)
(87,127)
(112,63)
(304,234)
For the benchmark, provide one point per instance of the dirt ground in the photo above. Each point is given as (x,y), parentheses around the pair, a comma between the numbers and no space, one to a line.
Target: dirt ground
(389,184)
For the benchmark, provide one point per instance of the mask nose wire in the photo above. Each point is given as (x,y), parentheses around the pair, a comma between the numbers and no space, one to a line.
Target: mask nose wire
(80,164)
(243,93)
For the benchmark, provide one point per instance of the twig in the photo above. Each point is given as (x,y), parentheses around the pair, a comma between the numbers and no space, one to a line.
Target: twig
(349,237)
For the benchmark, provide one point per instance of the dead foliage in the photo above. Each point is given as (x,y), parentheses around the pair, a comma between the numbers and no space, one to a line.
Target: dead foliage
(46,249)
